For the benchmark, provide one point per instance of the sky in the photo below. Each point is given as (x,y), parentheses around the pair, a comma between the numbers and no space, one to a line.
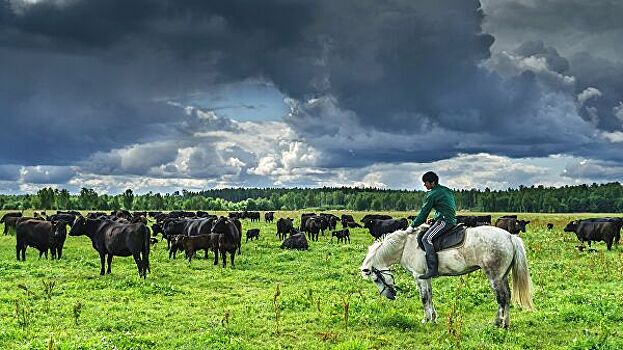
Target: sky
(160,96)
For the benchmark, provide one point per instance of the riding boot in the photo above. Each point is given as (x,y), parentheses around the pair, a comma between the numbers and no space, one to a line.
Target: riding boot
(431,263)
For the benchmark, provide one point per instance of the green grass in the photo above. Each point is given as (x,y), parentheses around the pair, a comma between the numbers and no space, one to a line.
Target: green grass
(578,296)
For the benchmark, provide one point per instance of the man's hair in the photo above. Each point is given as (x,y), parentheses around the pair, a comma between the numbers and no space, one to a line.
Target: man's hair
(430,177)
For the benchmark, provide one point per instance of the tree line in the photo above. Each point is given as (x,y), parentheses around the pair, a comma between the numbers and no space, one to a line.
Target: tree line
(582,198)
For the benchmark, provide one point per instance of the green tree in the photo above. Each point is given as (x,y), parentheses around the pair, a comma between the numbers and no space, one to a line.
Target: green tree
(128,199)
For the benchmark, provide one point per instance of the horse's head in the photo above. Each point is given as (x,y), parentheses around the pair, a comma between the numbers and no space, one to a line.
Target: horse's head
(376,271)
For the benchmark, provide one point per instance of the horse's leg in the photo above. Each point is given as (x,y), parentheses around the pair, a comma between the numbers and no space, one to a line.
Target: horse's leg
(426,294)
(503,296)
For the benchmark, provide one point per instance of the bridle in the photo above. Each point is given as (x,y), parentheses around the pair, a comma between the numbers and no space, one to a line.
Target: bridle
(380,274)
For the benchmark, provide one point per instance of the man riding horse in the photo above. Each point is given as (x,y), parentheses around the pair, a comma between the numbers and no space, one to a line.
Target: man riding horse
(442,200)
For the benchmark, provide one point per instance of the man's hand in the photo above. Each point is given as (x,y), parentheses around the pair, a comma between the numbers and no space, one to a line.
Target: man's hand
(409,230)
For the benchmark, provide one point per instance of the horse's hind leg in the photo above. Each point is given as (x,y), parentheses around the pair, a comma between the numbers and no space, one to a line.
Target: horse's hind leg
(503,296)
(426,294)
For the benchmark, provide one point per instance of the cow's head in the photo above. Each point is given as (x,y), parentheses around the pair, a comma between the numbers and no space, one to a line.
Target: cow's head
(521,225)
(572,226)
(78,227)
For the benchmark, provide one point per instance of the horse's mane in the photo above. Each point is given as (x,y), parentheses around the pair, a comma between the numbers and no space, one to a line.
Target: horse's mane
(389,247)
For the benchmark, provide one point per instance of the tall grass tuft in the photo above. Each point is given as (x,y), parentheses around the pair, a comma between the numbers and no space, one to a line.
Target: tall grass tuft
(276,308)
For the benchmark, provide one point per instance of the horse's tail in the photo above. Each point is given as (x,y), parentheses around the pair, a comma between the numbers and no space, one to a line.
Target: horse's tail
(522,285)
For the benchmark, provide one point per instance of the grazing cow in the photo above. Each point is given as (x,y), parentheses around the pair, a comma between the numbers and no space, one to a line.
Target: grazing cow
(342,235)
(40,234)
(296,241)
(331,220)
(228,240)
(348,221)
(313,225)
(269,216)
(111,238)
(550,226)
(253,233)
(380,227)
(512,225)
(284,226)
(607,231)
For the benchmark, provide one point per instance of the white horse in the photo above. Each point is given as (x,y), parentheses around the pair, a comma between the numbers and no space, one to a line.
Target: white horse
(486,247)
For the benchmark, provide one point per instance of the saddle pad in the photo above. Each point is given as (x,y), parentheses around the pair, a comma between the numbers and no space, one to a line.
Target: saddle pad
(451,239)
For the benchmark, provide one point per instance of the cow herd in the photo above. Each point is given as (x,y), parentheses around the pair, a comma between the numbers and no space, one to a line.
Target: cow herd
(122,233)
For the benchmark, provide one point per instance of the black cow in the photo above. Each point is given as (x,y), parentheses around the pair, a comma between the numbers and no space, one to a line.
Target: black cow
(10,222)
(313,225)
(228,240)
(269,216)
(296,241)
(284,226)
(348,221)
(369,217)
(473,220)
(304,218)
(380,227)
(607,231)
(550,226)
(342,235)
(67,218)
(253,233)
(111,238)
(40,234)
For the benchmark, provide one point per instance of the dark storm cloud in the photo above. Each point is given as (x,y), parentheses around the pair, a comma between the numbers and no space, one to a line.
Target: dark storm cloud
(587,34)
(398,80)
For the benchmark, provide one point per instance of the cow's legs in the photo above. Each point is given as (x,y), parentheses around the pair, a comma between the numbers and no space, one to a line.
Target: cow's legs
(102,263)
(139,264)
(233,254)
(426,294)
(109,263)
(215,256)
(224,257)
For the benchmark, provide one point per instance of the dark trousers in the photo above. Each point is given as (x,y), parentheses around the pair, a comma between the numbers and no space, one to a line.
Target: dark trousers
(437,229)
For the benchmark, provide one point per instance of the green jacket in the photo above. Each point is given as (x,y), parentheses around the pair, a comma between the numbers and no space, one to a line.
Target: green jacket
(441,199)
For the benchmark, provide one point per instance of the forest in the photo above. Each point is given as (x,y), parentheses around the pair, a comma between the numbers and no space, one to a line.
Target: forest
(605,198)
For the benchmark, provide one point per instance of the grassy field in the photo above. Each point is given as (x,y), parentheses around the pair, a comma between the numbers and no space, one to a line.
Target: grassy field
(276,299)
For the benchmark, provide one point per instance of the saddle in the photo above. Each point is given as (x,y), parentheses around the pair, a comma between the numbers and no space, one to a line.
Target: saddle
(451,239)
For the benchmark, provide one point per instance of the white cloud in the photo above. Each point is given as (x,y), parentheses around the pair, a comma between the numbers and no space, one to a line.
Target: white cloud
(587,94)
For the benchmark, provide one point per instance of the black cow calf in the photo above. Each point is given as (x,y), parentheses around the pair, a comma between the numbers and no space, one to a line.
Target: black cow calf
(253,233)
(550,226)
(342,235)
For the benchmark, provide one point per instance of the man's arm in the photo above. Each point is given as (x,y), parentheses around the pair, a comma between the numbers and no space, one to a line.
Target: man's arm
(423,214)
